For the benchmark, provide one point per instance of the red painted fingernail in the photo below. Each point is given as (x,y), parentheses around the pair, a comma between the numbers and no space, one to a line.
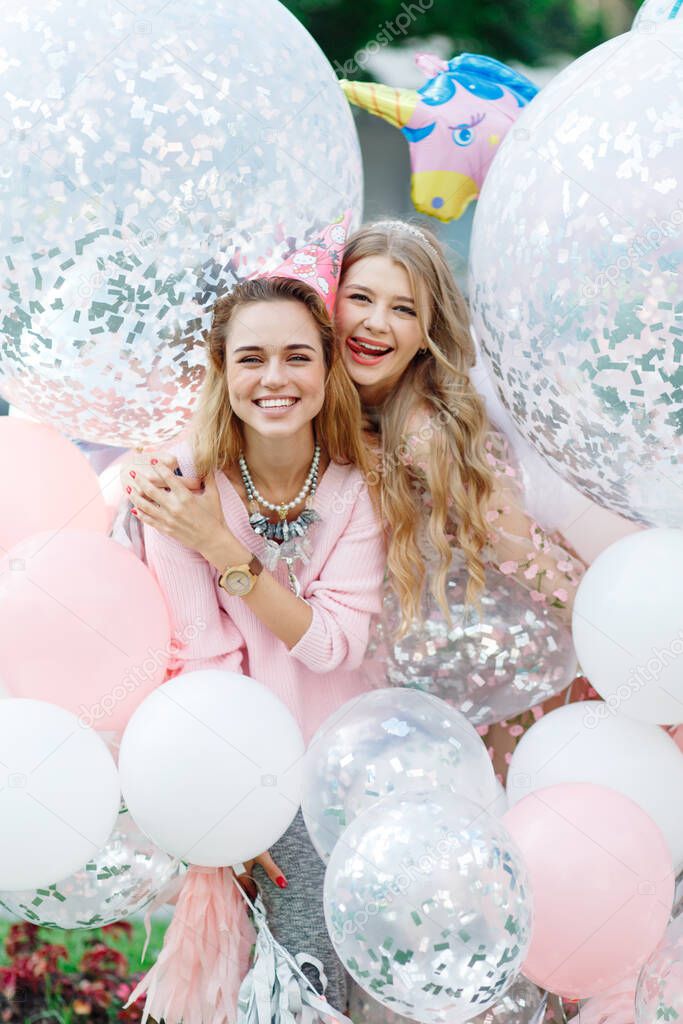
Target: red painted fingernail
(154,462)
(281,881)
(133,473)
(128,490)
(134,511)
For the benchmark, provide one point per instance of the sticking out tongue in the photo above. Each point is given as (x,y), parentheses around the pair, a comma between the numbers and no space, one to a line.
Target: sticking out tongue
(366,350)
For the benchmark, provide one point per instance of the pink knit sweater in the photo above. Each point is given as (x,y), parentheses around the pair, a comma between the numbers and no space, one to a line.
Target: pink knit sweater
(342,583)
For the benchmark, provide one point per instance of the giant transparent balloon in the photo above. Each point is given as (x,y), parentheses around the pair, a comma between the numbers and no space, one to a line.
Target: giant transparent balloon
(575,275)
(152,155)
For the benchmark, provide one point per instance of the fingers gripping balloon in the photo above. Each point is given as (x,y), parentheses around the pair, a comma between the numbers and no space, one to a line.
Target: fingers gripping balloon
(454,124)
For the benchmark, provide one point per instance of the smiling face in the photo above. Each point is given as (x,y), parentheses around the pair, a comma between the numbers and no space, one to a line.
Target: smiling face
(275,368)
(377,325)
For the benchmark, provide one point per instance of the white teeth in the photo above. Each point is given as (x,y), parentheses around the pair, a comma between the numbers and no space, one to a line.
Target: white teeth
(372,348)
(275,403)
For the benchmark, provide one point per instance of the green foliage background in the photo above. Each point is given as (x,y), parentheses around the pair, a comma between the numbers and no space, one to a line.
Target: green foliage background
(521,30)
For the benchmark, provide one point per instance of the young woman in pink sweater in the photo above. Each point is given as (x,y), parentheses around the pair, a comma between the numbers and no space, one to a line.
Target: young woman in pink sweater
(281,555)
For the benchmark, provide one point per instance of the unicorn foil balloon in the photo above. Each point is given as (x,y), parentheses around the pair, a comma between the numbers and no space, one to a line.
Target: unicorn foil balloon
(454,124)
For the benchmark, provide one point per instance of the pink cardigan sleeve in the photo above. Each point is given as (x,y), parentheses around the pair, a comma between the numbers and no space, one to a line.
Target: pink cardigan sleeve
(346,594)
(204,636)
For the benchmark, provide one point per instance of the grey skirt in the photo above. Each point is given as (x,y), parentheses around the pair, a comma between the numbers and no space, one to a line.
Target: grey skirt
(295,914)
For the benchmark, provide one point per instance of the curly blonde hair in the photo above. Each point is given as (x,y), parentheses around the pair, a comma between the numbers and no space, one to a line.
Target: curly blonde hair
(217,435)
(456,471)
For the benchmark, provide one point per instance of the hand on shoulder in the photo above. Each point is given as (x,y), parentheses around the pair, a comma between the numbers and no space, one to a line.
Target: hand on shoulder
(139,471)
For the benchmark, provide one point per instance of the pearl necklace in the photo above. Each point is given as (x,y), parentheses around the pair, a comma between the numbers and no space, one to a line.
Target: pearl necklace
(255,497)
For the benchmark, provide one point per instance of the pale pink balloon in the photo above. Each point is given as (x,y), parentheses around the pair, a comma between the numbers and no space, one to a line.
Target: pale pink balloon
(111,486)
(615,1006)
(47,483)
(602,882)
(83,625)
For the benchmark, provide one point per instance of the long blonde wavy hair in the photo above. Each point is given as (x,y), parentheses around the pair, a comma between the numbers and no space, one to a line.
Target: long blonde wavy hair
(457,473)
(217,435)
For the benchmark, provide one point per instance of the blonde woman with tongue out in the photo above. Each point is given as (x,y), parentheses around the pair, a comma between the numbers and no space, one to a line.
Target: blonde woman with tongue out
(445,475)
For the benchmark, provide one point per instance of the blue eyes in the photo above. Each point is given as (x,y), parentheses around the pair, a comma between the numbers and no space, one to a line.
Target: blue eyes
(401,309)
(463,134)
(299,358)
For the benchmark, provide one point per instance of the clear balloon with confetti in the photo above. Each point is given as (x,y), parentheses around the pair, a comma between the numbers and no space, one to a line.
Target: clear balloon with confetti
(428,906)
(389,741)
(125,876)
(523,1003)
(575,269)
(152,157)
(656,15)
(490,665)
(659,995)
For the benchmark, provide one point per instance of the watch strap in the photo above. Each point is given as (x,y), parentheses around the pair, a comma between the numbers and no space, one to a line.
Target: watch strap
(255,566)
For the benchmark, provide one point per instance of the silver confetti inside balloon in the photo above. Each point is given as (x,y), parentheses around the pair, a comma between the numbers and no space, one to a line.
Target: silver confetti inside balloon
(575,264)
(656,14)
(389,741)
(516,655)
(523,1003)
(427,904)
(659,995)
(127,874)
(152,155)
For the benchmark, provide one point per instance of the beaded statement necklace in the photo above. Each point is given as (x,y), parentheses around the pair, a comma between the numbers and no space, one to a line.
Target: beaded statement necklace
(284,541)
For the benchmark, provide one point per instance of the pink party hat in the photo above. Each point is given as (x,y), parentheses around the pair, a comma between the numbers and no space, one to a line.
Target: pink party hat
(318,263)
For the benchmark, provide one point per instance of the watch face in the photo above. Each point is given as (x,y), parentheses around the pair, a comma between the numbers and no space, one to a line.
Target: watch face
(238,582)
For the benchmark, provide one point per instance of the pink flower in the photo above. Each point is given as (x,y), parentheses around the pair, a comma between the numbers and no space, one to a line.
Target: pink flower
(537,712)
(565,565)
(507,568)
(516,730)
(537,596)
(538,538)
(492,515)
(531,571)
(560,594)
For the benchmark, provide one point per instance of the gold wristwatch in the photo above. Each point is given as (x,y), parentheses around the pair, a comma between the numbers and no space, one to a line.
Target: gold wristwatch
(239,580)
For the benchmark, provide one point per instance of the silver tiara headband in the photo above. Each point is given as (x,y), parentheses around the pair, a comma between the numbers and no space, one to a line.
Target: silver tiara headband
(400,226)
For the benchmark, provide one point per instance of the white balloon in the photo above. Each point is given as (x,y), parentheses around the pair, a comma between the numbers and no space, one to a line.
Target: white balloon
(390,741)
(628,625)
(501,804)
(586,742)
(211,766)
(59,794)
